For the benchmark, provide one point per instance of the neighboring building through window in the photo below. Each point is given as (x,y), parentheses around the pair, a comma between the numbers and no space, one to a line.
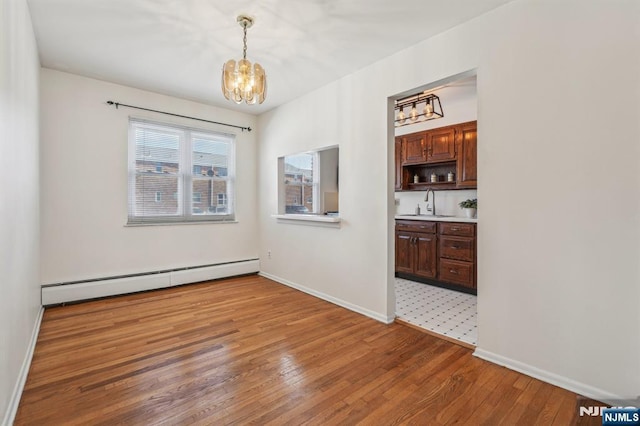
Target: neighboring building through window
(308,182)
(301,176)
(183,187)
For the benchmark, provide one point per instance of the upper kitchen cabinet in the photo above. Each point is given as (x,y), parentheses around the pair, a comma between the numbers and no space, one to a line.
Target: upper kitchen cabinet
(414,148)
(467,163)
(443,152)
(398,150)
(432,146)
(441,144)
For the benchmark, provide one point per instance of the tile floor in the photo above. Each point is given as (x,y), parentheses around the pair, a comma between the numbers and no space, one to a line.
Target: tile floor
(437,309)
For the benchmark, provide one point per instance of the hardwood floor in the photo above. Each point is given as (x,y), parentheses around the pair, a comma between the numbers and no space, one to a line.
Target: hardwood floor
(249,350)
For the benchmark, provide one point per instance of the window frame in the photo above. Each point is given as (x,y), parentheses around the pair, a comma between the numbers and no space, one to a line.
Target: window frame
(185,175)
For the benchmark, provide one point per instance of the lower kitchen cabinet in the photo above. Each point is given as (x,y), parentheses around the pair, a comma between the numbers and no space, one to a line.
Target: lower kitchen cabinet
(440,253)
(416,249)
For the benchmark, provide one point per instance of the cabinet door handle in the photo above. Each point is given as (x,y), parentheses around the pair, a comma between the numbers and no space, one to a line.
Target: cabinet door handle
(453,271)
(455,229)
(455,247)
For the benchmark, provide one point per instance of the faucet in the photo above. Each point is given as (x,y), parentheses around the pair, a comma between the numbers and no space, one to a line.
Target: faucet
(433,201)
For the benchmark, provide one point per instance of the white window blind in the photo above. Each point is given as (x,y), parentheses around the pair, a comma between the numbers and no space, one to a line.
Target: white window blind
(177,174)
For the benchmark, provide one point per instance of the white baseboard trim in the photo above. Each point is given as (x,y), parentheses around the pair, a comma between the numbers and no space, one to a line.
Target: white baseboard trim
(355,308)
(12,408)
(552,378)
(93,289)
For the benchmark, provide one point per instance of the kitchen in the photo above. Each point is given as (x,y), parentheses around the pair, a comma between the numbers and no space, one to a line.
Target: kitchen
(435,237)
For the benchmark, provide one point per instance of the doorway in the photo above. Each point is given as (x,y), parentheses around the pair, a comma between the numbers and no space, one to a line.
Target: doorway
(439,308)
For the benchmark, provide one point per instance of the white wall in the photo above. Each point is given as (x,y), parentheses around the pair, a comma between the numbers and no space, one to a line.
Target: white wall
(19,188)
(84,188)
(559,241)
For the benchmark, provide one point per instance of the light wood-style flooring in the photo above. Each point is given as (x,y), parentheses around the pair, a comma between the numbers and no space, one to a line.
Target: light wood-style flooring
(249,350)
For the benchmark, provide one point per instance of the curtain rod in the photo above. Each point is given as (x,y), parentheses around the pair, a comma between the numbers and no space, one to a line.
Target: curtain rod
(118,104)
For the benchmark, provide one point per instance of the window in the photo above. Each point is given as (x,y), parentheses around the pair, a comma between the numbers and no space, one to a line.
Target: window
(181,158)
(308,182)
(301,183)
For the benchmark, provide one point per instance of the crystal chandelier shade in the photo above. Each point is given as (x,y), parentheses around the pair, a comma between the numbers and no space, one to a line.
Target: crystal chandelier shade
(242,81)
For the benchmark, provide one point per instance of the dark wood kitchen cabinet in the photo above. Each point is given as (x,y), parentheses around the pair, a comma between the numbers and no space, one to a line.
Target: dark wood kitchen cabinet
(467,164)
(432,146)
(437,151)
(457,253)
(441,144)
(439,253)
(416,248)
(398,162)
(414,148)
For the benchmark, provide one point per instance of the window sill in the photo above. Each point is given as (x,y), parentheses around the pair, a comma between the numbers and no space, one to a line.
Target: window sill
(200,222)
(308,218)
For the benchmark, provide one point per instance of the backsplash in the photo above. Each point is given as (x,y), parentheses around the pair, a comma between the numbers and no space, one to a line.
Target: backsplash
(446,201)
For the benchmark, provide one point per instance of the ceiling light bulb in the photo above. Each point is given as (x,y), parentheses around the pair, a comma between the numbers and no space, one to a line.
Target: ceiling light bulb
(413,115)
(401,117)
(428,109)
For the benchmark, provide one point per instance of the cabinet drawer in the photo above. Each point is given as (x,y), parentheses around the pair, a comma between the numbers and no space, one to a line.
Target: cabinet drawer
(416,226)
(457,272)
(460,229)
(460,248)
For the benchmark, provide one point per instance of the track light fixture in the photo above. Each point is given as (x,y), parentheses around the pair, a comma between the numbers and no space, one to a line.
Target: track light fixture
(431,110)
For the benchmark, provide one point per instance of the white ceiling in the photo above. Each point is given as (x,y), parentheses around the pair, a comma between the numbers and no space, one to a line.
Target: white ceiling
(177,47)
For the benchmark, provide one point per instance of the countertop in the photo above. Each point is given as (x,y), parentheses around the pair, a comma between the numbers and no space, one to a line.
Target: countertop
(429,217)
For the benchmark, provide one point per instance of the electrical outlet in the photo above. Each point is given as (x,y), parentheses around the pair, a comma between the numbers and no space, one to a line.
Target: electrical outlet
(269,254)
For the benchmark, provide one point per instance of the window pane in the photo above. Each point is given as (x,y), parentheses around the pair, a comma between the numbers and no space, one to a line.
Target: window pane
(157,157)
(210,156)
(298,172)
(154,195)
(157,151)
(212,197)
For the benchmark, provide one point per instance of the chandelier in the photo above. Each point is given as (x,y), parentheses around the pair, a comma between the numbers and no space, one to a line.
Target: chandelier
(240,80)
(429,105)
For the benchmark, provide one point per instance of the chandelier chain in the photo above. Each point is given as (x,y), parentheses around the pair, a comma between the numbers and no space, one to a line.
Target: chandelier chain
(244,40)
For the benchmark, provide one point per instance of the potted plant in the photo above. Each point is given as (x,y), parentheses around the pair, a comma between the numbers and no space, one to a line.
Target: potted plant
(470,207)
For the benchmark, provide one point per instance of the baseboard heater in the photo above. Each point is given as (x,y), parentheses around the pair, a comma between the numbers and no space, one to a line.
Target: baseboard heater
(54,294)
